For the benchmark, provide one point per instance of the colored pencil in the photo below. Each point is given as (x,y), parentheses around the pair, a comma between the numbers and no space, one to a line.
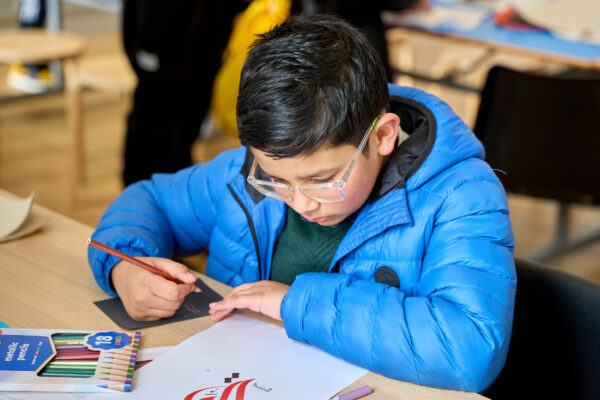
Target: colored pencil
(117,379)
(118,366)
(69,364)
(114,369)
(76,357)
(68,373)
(120,356)
(76,360)
(126,374)
(120,352)
(76,350)
(70,334)
(125,387)
(118,359)
(135,261)
(103,372)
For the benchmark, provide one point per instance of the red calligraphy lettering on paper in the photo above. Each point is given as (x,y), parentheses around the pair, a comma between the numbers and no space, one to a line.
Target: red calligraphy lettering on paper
(233,391)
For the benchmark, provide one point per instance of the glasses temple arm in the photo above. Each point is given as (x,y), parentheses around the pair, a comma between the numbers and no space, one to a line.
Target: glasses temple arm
(360,148)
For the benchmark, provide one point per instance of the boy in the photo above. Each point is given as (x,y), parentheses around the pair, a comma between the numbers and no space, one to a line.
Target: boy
(391,253)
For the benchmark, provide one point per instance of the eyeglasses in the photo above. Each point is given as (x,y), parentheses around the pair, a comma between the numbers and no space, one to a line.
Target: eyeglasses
(321,192)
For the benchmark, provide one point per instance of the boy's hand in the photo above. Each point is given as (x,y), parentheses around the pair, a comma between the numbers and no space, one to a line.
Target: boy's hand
(264,297)
(147,296)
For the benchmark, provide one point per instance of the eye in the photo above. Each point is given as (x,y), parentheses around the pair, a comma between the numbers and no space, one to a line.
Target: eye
(277,180)
(322,180)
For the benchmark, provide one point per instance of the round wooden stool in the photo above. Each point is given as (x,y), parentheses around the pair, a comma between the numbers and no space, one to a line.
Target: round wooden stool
(38,46)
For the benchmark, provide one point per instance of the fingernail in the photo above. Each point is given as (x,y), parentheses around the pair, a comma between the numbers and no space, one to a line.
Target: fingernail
(197,289)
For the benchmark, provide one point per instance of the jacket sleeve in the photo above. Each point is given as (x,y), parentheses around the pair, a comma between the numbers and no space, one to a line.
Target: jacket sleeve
(453,332)
(167,215)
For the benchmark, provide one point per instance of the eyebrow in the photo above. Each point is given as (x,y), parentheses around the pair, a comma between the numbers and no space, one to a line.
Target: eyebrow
(318,174)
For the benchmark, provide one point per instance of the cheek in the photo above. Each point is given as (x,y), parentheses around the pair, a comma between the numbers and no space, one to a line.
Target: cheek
(357,192)
(360,185)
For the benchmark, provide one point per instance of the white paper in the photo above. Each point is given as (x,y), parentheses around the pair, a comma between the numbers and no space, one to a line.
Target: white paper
(243,359)
(152,353)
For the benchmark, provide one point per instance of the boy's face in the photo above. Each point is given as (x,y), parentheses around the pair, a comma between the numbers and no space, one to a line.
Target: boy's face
(328,164)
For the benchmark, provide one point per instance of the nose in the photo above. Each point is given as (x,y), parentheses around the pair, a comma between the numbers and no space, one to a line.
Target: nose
(303,204)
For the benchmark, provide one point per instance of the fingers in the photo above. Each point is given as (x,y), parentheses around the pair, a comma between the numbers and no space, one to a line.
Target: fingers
(238,289)
(218,310)
(167,290)
(216,316)
(245,299)
(150,314)
(145,306)
(147,296)
(239,297)
(173,268)
(263,296)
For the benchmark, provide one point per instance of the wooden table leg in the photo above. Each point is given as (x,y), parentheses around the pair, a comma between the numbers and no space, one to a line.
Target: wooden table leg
(74,112)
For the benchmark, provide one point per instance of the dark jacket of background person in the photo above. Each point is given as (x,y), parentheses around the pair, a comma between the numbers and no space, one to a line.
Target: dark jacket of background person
(364,15)
(175,48)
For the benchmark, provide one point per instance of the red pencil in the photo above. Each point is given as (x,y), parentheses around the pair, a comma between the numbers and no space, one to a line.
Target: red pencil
(135,261)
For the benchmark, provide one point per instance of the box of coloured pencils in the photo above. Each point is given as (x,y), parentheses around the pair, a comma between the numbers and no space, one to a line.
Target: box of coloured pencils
(44,360)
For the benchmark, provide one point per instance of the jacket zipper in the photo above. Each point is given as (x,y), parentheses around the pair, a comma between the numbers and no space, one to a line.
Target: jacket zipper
(252,228)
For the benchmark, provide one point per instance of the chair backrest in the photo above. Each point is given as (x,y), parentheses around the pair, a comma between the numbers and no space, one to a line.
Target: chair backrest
(555,346)
(544,133)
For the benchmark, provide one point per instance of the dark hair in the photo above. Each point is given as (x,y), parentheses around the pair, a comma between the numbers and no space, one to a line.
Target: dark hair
(311,81)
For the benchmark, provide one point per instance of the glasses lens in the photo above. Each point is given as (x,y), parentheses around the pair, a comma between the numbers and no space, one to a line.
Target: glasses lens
(324,195)
(273,191)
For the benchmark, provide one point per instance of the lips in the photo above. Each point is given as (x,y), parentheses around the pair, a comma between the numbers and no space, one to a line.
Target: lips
(319,220)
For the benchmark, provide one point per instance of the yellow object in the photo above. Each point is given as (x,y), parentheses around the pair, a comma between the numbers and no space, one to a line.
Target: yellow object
(30,79)
(259,17)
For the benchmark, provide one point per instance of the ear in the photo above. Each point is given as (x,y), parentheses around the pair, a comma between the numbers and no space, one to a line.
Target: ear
(386,133)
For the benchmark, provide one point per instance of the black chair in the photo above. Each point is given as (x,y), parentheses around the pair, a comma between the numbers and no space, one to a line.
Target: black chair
(554,351)
(543,132)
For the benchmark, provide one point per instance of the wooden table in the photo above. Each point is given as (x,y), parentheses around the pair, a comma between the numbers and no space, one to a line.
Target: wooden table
(46,283)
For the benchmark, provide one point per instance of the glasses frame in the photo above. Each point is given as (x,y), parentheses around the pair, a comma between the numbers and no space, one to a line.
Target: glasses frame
(339,185)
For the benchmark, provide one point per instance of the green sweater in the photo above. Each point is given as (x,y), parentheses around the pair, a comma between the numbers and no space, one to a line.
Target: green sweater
(305,247)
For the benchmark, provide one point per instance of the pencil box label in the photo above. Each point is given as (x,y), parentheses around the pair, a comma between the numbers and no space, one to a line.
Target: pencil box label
(107,340)
(24,353)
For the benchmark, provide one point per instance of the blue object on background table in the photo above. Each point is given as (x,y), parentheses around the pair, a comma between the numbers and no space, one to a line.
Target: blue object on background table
(489,31)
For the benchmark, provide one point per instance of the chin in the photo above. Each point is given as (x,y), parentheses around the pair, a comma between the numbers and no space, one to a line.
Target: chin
(330,221)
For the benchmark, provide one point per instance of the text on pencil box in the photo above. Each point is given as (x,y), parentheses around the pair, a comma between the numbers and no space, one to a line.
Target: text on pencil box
(12,348)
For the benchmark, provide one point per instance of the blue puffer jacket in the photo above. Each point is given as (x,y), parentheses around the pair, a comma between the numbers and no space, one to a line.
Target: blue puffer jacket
(425,285)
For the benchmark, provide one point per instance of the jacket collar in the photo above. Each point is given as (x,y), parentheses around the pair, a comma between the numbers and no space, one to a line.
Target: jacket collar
(374,218)
(388,204)
(420,124)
